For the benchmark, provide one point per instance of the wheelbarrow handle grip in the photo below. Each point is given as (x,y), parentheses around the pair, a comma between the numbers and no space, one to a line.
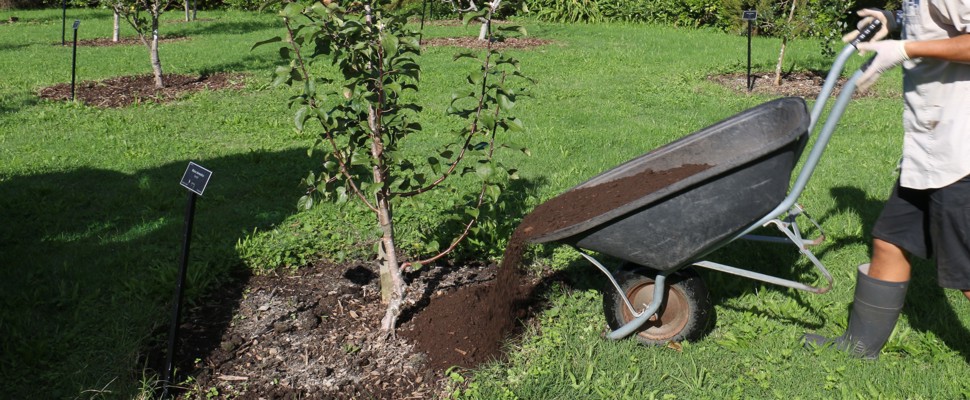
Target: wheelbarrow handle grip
(865,34)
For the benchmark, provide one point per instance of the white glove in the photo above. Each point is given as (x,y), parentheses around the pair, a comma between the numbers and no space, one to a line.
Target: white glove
(869,14)
(889,53)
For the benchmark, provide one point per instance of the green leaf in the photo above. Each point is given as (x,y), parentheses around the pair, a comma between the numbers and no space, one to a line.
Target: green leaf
(305,202)
(472,212)
(282,75)
(292,10)
(505,102)
(484,171)
(267,41)
(300,117)
(488,120)
(493,192)
(472,15)
(516,125)
(390,44)
(341,195)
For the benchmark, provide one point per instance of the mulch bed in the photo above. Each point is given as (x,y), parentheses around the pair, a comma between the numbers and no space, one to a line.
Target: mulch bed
(125,41)
(803,84)
(315,334)
(127,90)
(473,42)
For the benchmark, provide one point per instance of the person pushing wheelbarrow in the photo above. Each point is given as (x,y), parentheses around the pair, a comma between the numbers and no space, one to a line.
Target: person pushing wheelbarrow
(928,213)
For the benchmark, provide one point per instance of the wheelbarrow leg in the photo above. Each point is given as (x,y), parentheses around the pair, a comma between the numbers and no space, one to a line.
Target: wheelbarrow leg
(642,316)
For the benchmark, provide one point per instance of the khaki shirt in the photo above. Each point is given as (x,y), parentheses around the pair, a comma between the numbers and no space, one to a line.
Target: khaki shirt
(936,118)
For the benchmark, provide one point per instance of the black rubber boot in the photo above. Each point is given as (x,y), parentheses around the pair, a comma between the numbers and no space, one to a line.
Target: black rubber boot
(874,313)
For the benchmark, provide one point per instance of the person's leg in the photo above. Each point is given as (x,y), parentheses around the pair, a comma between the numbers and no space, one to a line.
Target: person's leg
(881,285)
(889,262)
(950,228)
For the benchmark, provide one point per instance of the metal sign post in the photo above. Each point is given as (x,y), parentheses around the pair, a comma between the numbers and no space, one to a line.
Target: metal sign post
(750,16)
(195,180)
(74,57)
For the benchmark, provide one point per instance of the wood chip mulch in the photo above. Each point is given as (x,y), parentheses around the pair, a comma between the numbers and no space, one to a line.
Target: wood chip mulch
(127,90)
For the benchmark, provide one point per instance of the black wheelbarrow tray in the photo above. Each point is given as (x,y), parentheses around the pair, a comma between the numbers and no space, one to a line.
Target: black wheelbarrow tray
(739,180)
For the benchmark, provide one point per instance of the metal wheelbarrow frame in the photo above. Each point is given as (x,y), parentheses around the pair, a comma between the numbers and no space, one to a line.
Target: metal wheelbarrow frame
(767,174)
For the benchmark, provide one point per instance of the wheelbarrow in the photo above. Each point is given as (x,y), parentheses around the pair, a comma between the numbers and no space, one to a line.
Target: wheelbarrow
(739,181)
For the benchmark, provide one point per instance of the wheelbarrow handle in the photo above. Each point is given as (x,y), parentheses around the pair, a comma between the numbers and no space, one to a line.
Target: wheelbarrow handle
(866,34)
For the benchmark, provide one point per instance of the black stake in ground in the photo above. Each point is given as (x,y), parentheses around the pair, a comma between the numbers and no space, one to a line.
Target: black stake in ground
(77,23)
(195,179)
(750,16)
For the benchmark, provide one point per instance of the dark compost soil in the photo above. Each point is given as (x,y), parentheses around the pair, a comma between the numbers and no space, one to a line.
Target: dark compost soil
(469,326)
(315,334)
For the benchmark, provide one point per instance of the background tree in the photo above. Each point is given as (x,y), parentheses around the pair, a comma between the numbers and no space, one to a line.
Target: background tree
(363,117)
(143,16)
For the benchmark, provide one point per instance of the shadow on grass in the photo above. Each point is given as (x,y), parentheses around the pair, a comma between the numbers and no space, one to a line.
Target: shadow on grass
(226,27)
(16,102)
(89,257)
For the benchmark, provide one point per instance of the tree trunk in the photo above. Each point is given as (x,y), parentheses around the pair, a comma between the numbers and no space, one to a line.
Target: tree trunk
(195,8)
(116,33)
(784,45)
(187,9)
(781,60)
(392,282)
(487,21)
(485,27)
(153,48)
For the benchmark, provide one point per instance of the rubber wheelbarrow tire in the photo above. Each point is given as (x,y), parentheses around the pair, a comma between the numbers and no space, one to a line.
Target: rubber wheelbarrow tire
(684,315)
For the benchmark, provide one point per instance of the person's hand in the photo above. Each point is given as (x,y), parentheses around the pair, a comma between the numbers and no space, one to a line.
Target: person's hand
(868,14)
(889,53)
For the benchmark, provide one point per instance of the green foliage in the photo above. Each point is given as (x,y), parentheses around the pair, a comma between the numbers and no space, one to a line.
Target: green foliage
(820,19)
(361,120)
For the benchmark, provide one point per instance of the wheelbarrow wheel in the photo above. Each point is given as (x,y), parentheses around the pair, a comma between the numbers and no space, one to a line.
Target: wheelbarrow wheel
(683,315)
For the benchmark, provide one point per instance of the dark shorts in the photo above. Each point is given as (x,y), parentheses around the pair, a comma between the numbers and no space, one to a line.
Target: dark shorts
(932,223)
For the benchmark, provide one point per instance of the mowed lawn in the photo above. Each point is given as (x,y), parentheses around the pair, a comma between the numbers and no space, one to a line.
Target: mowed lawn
(91,212)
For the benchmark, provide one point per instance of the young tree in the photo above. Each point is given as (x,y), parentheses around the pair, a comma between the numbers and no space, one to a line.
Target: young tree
(146,26)
(364,121)
(786,33)
(190,10)
(468,7)
(116,30)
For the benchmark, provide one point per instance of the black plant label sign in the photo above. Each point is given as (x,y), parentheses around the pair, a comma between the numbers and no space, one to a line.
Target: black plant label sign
(749,15)
(195,178)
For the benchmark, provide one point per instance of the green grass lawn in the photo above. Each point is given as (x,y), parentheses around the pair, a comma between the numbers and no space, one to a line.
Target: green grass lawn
(91,212)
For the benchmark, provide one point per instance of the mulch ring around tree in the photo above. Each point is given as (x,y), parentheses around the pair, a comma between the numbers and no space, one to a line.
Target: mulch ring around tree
(125,41)
(473,42)
(803,84)
(127,90)
(315,334)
